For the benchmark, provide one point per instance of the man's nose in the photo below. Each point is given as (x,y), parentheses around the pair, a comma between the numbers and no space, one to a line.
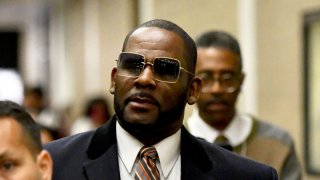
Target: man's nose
(214,87)
(146,77)
(217,86)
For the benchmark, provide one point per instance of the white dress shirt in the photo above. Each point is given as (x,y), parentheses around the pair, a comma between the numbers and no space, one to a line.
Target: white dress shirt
(169,164)
(237,131)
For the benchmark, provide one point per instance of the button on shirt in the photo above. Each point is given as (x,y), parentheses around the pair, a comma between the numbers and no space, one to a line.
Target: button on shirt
(237,131)
(168,149)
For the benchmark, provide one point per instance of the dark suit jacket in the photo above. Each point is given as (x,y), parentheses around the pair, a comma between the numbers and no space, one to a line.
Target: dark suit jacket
(93,155)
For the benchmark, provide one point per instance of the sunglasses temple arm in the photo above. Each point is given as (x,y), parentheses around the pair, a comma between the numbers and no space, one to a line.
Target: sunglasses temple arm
(187,71)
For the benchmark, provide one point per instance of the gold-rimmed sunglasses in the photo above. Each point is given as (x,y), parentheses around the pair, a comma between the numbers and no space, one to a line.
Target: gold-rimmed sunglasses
(165,69)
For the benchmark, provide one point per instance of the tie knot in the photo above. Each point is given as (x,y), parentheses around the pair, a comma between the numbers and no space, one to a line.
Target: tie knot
(148,152)
(222,141)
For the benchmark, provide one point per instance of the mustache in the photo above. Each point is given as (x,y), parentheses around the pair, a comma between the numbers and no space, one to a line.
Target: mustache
(216,100)
(143,96)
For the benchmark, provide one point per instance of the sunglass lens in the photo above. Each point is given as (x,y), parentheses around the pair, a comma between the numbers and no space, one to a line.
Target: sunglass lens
(166,69)
(130,64)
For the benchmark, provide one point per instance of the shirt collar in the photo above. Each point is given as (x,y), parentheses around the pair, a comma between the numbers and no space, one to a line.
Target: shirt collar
(168,149)
(237,131)
(201,129)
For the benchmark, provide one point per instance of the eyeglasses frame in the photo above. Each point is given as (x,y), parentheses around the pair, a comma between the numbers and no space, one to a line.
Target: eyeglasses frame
(152,64)
(231,89)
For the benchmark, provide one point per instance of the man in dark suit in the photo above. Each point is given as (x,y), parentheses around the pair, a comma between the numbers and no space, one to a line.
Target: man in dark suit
(21,152)
(145,139)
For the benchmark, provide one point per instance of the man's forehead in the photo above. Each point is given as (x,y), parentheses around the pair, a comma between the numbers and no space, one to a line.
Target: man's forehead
(155,34)
(12,133)
(217,57)
(157,41)
(10,128)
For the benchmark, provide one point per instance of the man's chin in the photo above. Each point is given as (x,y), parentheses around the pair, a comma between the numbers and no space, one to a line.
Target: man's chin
(138,120)
(141,118)
(217,113)
(140,124)
(137,128)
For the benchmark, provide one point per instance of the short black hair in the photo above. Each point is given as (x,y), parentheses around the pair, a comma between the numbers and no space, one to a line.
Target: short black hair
(29,126)
(220,39)
(190,49)
(34,90)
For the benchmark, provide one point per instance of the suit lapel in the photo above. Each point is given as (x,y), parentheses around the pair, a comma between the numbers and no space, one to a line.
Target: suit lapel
(106,166)
(103,153)
(195,162)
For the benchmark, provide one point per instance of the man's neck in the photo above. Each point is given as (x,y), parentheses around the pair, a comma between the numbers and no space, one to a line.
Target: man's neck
(154,138)
(151,135)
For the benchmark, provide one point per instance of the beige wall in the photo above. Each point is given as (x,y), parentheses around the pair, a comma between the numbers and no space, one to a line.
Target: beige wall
(280,64)
(198,16)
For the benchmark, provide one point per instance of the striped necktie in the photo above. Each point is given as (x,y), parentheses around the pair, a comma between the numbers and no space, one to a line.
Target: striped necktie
(146,168)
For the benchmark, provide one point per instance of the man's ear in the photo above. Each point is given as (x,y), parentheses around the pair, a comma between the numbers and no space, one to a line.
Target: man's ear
(113,77)
(194,91)
(44,162)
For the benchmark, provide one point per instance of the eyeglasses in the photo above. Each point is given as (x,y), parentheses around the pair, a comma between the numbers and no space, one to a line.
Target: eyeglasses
(228,82)
(165,69)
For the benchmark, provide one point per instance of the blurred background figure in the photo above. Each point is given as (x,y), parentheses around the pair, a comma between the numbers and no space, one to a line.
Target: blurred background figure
(95,114)
(34,101)
(11,86)
(47,134)
(53,123)
(217,119)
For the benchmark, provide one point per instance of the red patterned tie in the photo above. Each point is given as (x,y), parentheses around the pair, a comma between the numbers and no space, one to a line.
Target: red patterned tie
(147,169)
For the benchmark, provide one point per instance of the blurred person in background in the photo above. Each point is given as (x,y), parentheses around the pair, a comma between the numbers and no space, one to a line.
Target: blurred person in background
(216,119)
(21,153)
(11,86)
(47,134)
(53,123)
(96,113)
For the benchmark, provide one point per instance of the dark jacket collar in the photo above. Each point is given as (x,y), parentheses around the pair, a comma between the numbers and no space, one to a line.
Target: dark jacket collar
(195,162)
(103,138)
